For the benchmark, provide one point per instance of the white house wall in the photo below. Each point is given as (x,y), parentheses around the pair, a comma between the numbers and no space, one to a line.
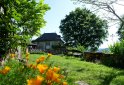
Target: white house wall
(42,45)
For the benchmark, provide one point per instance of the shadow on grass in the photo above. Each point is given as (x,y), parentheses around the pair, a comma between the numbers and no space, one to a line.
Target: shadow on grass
(108,79)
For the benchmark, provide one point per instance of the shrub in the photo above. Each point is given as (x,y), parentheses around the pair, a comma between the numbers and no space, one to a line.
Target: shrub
(118,50)
(16,72)
(119,80)
(78,48)
(36,51)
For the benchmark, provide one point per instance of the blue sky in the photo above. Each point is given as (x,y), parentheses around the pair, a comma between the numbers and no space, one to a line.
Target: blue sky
(59,9)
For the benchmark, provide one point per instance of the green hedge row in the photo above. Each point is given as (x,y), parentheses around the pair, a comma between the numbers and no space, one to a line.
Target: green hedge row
(111,60)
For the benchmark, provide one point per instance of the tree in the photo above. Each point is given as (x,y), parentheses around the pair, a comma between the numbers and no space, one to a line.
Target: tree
(20,20)
(112,15)
(82,27)
(104,5)
(121,30)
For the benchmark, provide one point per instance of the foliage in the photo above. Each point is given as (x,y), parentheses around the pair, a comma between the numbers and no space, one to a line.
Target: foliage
(38,73)
(36,51)
(20,20)
(91,73)
(78,47)
(83,27)
(119,80)
(118,50)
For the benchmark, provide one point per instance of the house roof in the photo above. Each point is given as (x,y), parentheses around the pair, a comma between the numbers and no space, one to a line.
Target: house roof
(48,37)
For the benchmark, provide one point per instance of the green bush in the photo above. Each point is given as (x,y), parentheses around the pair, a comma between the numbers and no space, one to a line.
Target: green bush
(118,50)
(78,48)
(18,74)
(119,80)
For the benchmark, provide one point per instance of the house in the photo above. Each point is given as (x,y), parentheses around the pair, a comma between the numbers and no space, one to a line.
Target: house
(48,41)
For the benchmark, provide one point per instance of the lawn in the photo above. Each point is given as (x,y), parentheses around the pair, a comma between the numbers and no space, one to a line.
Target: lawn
(77,70)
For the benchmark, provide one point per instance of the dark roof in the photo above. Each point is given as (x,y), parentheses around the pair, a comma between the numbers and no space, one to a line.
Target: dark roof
(48,37)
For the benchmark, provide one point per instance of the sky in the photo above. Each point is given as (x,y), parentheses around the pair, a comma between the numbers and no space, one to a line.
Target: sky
(61,8)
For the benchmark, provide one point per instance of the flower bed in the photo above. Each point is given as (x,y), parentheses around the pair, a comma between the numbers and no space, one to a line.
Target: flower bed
(15,72)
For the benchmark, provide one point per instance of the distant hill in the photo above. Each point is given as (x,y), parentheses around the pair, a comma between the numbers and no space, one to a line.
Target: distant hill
(103,50)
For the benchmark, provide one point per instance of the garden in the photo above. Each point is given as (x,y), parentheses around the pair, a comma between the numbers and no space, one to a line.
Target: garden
(73,61)
(48,69)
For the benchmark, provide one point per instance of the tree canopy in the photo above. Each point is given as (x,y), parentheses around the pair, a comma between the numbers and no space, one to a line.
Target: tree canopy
(82,27)
(20,20)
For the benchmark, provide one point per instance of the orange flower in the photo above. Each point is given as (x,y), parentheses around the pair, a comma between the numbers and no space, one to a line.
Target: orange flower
(30,65)
(37,81)
(5,70)
(42,58)
(55,77)
(64,83)
(34,66)
(38,61)
(49,74)
(52,76)
(61,76)
(49,83)
(56,69)
(42,67)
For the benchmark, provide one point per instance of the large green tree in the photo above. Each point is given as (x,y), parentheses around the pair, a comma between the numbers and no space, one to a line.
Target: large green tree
(83,27)
(108,10)
(19,21)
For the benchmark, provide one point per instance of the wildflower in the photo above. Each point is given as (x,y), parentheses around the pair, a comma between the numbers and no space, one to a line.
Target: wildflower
(37,81)
(38,61)
(42,58)
(30,65)
(5,70)
(42,67)
(52,76)
(49,54)
(64,83)
(49,83)
(49,74)
(61,76)
(12,55)
(55,77)
(34,66)
(56,69)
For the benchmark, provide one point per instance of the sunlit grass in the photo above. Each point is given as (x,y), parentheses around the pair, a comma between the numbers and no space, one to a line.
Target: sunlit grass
(77,70)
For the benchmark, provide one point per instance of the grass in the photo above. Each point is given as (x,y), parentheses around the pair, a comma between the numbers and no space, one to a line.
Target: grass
(77,70)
